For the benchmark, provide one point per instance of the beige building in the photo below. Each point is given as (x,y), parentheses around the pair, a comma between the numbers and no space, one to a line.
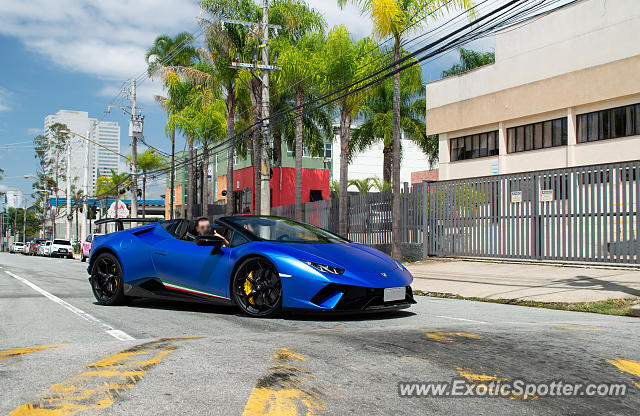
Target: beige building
(564,91)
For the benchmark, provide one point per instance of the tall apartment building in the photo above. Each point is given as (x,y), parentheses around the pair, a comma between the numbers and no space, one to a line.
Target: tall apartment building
(564,91)
(101,161)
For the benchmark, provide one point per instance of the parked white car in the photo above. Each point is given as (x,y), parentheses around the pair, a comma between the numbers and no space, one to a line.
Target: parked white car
(61,248)
(44,248)
(17,247)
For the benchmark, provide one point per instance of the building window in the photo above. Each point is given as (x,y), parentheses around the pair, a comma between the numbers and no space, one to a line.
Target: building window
(474,146)
(608,124)
(328,150)
(305,151)
(536,136)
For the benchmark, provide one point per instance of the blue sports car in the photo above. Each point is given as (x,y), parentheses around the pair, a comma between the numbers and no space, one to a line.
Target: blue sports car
(261,264)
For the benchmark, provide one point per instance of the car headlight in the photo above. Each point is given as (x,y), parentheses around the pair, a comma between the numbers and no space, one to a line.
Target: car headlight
(324,268)
(400,265)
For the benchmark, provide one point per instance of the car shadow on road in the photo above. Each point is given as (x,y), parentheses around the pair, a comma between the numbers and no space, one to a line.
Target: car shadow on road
(287,315)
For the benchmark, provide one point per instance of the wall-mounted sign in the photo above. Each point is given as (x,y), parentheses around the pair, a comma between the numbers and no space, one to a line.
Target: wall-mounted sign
(546,195)
(516,197)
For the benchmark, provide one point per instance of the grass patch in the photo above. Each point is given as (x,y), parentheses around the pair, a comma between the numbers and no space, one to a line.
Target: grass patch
(620,307)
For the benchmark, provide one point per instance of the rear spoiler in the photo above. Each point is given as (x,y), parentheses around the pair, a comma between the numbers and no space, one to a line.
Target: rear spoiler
(120,221)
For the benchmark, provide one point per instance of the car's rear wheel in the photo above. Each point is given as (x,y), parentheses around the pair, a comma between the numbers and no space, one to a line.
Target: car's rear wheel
(106,280)
(257,289)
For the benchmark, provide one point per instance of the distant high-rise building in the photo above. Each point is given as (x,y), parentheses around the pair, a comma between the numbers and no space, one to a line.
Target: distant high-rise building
(101,160)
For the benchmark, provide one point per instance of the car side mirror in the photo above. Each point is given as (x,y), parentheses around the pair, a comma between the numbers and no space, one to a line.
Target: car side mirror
(210,241)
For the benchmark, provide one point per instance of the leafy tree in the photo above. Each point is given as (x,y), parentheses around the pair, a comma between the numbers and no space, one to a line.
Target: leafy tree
(395,19)
(160,56)
(469,60)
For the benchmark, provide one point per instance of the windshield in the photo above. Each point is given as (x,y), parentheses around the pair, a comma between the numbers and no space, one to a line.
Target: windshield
(62,242)
(285,230)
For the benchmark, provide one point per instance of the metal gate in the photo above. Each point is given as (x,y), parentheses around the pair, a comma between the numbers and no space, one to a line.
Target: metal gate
(587,213)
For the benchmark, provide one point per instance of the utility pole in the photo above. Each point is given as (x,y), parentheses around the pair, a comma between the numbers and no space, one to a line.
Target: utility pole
(24,222)
(265,169)
(68,230)
(134,153)
(85,189)
(265,165)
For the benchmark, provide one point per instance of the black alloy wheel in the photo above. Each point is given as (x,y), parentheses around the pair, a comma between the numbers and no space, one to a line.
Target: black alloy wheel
(106,280)
(257,289)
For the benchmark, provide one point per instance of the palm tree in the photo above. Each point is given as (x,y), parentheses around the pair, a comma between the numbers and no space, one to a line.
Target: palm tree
(346,62)
(76,197)
(180,91)
(469,60)
(377,119)
(395,18)
(223,46)
(364,185)
(381,185)
(147,161)
(162,54)
(109,186)
(298,61)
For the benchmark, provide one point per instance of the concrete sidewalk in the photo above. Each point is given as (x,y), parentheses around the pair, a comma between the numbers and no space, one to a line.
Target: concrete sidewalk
(545,283)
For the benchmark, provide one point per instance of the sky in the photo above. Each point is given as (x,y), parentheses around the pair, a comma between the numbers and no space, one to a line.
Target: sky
(75,54)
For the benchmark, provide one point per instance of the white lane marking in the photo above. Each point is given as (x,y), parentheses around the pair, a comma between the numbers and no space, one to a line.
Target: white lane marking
(461,319)
(116,333)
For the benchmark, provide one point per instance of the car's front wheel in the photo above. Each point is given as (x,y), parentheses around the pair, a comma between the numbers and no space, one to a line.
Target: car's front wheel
(106,280)
(257,289)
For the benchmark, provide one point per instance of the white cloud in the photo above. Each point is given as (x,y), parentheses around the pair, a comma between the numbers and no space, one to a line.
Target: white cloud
(359,26)
(4,99)
(34,130)
(103,39)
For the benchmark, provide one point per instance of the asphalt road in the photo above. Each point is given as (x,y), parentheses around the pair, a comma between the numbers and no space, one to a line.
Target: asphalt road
(62,353)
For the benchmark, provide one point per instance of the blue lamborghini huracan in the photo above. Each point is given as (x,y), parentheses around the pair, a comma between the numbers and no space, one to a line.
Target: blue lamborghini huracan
(268,265)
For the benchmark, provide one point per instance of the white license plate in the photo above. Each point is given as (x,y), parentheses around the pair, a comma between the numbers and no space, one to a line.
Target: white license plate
(394,293)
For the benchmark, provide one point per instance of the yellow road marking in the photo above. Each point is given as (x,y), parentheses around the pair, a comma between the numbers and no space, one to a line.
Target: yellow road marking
(28,350)
(450,336)
(281,392)
(482,379)
(101,382)
(627,366)
(470,376)
(566,328)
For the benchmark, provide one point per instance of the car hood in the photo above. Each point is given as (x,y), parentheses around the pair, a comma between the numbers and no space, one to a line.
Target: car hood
(351,256)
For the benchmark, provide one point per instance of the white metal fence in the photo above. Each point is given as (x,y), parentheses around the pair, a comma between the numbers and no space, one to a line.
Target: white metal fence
(587,213)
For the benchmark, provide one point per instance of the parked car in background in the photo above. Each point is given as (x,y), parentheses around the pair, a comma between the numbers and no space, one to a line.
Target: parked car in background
(62,248)
(25,249)
(44,248)
(17,247)
(33,246)
(85,250)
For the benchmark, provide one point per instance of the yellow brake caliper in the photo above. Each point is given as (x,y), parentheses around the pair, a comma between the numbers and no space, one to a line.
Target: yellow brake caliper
(248,287)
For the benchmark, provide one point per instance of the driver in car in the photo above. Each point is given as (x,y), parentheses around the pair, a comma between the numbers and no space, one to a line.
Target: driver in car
(203,227)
